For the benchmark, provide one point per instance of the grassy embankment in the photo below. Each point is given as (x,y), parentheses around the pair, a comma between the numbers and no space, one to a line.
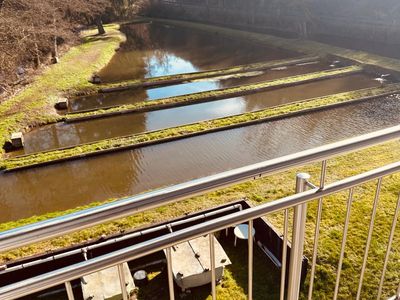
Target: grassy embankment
(274,187)
(184,131)
(35,104)
(212,95)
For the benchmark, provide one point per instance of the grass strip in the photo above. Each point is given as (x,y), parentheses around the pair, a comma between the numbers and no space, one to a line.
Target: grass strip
(35,104)
(211,95)
(184,131)
(180,78)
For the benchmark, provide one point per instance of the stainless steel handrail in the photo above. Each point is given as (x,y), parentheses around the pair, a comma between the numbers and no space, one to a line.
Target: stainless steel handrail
(124,237)
(29,234)
(69,273)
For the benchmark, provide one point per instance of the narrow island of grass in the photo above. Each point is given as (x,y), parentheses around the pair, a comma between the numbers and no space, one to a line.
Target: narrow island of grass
(180,78)
(212,95)
(35,104)
(184,131)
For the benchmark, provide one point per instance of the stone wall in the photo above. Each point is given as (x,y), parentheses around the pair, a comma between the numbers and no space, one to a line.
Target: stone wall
(368,20)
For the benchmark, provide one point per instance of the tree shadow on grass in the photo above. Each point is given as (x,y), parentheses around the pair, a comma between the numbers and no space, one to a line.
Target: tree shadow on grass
(96,38)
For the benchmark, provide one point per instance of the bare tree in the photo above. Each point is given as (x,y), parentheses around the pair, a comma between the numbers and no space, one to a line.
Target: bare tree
(30,30)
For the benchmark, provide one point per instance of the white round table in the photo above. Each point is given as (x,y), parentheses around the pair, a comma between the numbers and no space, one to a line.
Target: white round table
(242,232)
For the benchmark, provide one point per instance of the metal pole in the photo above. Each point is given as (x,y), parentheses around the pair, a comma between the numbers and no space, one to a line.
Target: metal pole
(70,292)
(170,277)
(122,281)
(370,232)
(212,263)
(389,247)
(296,253)
(344,239)
(284,254)
(250,259)
(317,229)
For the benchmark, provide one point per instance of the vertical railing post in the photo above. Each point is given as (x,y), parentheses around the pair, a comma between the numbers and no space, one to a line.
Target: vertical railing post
(250,260)
(170,275)
(296,253)
(70,292)
(389,248)
(122,281)
(317,229)
(212,265)
(284,254)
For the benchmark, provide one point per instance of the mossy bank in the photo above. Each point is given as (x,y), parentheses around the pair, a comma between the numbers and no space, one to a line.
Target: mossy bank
(184,131)
(212,95)
(35,104)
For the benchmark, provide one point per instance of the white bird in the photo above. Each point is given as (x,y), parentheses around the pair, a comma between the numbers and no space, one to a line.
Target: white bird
(381,80)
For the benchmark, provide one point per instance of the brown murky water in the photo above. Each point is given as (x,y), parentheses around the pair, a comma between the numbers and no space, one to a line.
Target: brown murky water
(63,135)
(138,95)
(156,49)
(71,184)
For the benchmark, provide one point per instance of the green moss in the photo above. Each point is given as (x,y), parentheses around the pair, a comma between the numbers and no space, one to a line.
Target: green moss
(213,95)
(163,135)
(35,104)
(179,78)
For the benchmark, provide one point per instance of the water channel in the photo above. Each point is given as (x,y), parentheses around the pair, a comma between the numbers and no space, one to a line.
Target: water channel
(67,185)
(64,135)
(149,51)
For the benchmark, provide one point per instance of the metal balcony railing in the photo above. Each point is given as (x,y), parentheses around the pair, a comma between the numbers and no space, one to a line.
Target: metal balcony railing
(305,193)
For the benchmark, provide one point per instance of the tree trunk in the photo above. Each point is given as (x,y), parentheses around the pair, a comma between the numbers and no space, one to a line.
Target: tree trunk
(54,58)
(100,26)
(55,46)
(37,56)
